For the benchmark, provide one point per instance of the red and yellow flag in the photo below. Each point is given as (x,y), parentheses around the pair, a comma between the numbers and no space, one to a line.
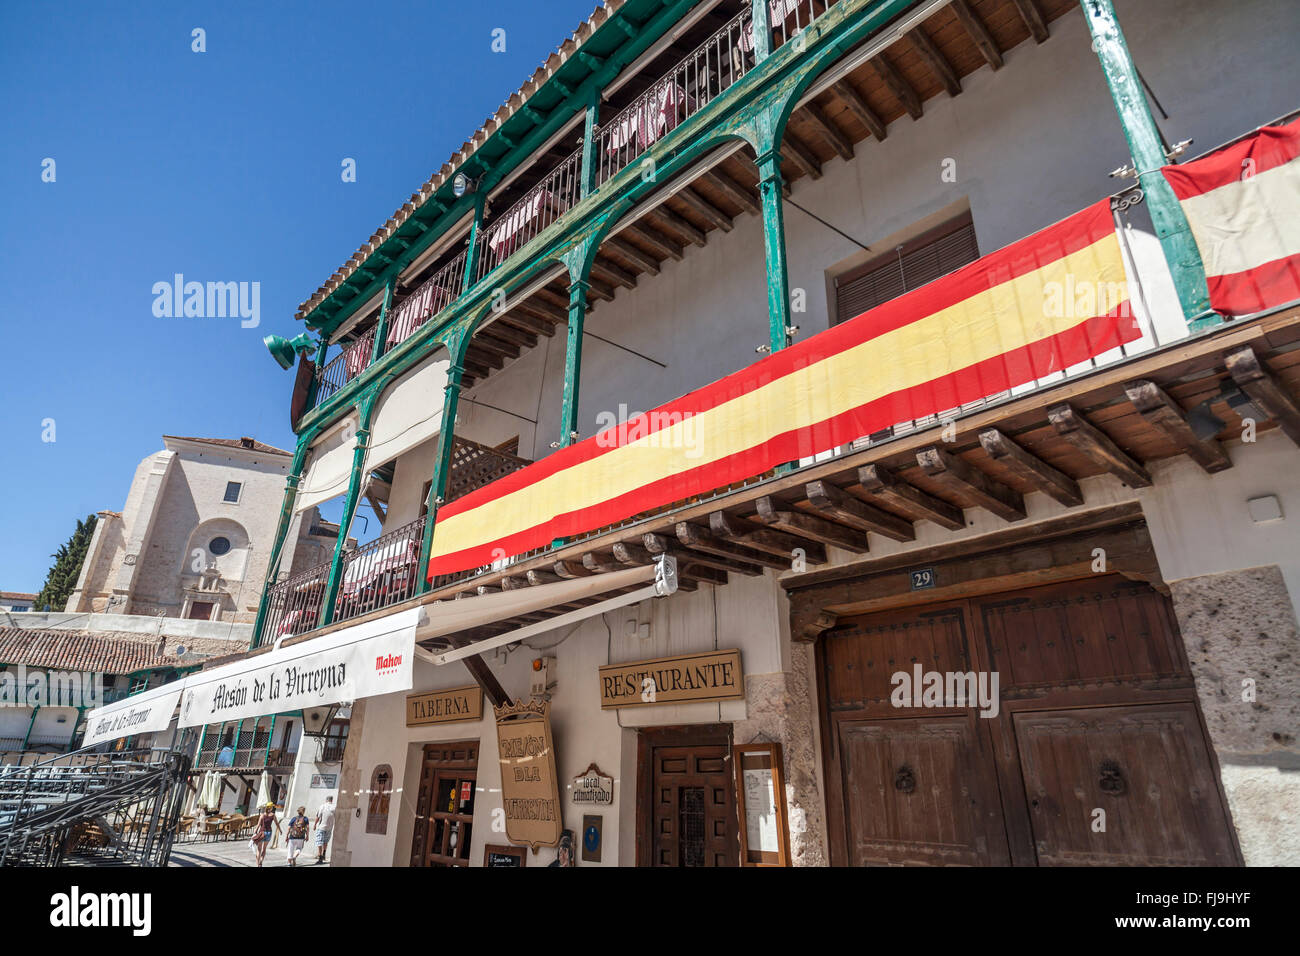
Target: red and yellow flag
(1243,204)
(1038,306)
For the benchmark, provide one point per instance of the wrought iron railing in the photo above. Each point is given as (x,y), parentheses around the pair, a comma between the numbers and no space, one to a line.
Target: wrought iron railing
(427,300)
(539,208)
(293,605)
(345,366)
(381,573)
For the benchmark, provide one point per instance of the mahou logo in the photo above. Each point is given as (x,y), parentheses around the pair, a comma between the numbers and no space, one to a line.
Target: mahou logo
(388,662)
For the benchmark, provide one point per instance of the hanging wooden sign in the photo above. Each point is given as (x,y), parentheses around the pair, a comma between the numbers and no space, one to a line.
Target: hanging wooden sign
(593,787)
(712,675)
(530,793)
(444,706)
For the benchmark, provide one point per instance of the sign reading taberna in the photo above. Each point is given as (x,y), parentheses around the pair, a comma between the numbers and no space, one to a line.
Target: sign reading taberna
(147,712)
(365,660)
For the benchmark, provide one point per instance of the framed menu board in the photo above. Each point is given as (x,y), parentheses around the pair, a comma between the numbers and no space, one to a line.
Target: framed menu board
(509,856)
(760,791)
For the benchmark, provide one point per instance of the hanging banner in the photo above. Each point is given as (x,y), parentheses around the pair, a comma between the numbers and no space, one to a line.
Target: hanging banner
(1036,307)
(530,791)
(1243,204)
(362,661)
(143,713)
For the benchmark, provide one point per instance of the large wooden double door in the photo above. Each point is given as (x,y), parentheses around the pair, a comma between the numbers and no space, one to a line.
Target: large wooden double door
(1097,753)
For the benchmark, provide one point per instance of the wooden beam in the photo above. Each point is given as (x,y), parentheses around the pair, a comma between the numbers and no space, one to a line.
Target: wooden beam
(481,673)
(704,208)
(599,290)
(665,217)
(859,108)
(632,554)
(1052,482)
(572,569)
(762,538)
(643,260)
(536,315)
(1268,395)
(793,149)
(502,331)
(657,241)
(541,576)
(901,89)
(881,483)
(658,544)
(959,476)
(613,273)
(494,346)
(1033,17)
(829,131)
(935,60)
(838,505)
(1083,435)
(598,563)
(735,192)
(1167,417)
(701,540)
(978,33)
(512,582)
(773,514)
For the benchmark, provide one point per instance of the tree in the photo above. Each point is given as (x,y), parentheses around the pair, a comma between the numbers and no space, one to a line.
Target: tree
(62,579)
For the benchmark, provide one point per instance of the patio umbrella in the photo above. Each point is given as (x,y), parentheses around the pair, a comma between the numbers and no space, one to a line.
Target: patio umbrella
(264,790)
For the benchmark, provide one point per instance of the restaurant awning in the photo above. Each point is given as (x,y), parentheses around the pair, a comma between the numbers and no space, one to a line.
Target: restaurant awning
(408,414)
(147,712)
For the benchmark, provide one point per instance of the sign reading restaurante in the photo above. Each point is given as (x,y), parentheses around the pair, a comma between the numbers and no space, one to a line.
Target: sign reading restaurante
(444,706)
(712,675)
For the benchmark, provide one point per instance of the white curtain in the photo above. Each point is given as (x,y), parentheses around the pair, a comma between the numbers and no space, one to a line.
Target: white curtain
(330,465)
(408,414)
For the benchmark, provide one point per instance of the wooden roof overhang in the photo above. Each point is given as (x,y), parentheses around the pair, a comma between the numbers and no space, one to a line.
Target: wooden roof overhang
(1115,420)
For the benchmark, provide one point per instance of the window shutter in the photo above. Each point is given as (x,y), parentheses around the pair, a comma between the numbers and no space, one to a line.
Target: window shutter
(918,266)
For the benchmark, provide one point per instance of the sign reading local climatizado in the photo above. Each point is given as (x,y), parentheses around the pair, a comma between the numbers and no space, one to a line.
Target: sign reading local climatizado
(362,661)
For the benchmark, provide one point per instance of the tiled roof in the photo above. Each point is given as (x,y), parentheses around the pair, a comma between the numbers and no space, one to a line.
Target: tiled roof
(16,596)
(511,106)
(105,652)
(249,444)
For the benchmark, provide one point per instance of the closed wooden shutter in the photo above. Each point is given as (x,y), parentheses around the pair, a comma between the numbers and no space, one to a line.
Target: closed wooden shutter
(930,257)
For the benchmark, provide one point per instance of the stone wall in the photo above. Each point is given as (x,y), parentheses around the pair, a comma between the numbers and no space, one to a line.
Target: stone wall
(1243,643)
(349,788)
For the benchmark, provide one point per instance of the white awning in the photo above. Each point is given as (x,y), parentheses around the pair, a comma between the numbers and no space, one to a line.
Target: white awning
(146,712)
(409,413)
(330,465)
(364,660)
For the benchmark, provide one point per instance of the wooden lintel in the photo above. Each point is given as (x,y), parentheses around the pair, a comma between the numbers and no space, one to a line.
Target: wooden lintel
(1028,467)
(1085,436)
(701,540)
(839,505)
(978,33)
(1268,395)
(774,515)
(935,59)
(901,89)
(851,98)
(829,131)
(1166,416)
(961,477)
(762,538)
(1033,17)
(881,483)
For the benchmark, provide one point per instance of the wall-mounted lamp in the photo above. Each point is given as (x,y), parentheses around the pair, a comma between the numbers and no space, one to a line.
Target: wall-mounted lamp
(285,350)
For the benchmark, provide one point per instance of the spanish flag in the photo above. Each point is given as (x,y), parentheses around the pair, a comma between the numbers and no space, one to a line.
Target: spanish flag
(1243,205)
(1036,307)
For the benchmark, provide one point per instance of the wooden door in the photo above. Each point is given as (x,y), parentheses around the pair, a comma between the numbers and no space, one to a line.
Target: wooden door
(1096,712)
(444,814)
(687,802)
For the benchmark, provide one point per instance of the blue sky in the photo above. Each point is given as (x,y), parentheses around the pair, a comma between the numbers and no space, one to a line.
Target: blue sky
(224,166)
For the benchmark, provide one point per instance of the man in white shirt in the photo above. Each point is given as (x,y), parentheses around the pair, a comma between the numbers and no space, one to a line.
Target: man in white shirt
(324,828)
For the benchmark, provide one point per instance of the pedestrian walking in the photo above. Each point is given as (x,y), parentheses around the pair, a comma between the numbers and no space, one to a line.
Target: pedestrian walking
(262,836)
(324,828)
(296,828)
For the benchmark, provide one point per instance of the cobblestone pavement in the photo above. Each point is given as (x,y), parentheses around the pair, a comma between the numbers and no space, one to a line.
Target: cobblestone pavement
(236,853)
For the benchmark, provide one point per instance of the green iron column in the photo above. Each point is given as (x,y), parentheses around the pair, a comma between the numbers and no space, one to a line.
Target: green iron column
(471,254)
(442,464)
(349,507)
(762,19)
(381,327)
(270,736)
(778,278)
(1148,151)
(573,361)
(282,529)
(31,725)
(588,182)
